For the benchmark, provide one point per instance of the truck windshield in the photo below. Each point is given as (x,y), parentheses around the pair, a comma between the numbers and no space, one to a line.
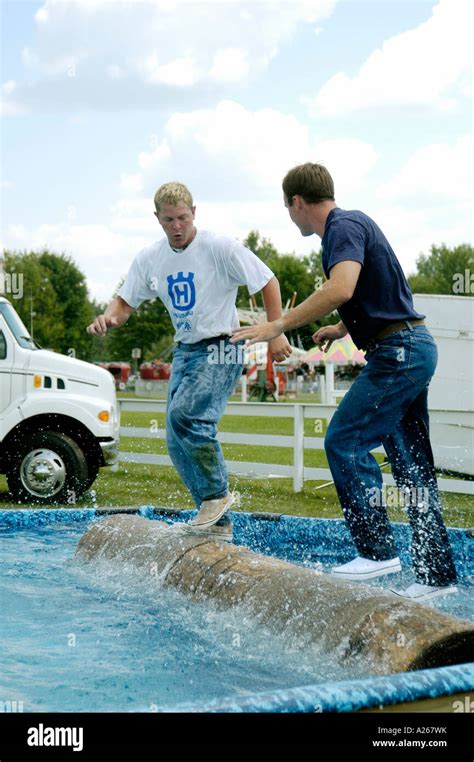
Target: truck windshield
(16,326)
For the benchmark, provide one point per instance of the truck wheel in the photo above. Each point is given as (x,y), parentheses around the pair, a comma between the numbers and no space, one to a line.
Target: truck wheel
(47,467)
(92,473)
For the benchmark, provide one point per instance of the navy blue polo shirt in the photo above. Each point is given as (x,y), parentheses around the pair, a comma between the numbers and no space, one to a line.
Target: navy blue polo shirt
(382,294)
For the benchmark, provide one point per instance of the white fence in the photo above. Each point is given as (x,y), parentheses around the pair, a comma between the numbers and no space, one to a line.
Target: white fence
(441,419)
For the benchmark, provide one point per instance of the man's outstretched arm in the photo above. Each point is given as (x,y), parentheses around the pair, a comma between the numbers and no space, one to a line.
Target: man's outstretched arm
(279,347)
(116,314)
(335,291)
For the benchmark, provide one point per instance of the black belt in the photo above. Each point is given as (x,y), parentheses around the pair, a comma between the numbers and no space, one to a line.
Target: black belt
(211,340)
(222,337)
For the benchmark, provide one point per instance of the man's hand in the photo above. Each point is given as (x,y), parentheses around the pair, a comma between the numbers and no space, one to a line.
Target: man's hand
(256,333)
(279,348)
(327,334)
(101,324)
(116,314)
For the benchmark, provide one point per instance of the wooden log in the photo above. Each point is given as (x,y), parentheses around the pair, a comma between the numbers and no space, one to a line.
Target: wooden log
(350,621)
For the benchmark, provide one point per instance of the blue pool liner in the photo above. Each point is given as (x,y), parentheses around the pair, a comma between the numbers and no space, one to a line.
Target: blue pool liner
(351,695)
(299,539)
(308,541)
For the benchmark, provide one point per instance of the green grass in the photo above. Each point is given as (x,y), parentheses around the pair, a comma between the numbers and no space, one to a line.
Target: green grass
(239,424)
(143,484)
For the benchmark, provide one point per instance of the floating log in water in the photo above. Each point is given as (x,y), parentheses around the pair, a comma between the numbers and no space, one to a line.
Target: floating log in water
(350,621)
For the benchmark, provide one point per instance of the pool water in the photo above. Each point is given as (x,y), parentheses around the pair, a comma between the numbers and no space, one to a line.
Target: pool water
(94,638)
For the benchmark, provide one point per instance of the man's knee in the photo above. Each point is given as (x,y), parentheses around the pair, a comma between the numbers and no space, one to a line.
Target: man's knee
(332,442)
(177,419)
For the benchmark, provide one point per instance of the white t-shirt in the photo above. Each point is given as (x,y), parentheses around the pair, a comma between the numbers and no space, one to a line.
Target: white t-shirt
(198,284)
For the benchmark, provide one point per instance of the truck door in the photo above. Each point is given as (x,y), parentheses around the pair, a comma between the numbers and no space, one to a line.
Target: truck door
(6,363)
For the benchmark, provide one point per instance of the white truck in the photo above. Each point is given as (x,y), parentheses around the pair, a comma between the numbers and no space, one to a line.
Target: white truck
(59,418)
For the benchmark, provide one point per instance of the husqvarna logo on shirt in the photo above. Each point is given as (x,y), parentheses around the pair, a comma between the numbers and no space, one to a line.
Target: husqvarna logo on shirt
(182,291)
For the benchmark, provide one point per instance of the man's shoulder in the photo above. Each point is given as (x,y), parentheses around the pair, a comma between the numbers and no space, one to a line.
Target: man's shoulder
(217,240)
(348,222)
(151,251)
(339,216)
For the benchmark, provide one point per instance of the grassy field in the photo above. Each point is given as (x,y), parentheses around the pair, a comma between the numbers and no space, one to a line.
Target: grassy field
(143,484)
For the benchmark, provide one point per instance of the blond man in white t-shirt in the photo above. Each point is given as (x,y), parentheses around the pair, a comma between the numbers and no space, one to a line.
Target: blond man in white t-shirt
(196,275)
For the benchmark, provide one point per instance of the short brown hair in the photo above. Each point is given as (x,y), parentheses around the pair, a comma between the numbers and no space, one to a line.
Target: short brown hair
(173,193)
(310,181)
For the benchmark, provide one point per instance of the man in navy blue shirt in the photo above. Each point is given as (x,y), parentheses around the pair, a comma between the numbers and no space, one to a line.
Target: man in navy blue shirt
(388,403)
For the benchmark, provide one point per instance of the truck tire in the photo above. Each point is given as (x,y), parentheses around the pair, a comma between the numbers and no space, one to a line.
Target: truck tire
(47,467)
(92,473)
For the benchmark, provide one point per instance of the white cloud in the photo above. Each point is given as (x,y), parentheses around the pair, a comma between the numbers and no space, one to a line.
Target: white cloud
(102,254)
(412,231)
(9,106)
(114,71)
(233,159)
(439,170)
(131,183)
(134,216)
(349,161)
(427,65)
(230,65)
(149,160)
(152,47)
(41,15)
(180,72)
(246,153)
(9,87)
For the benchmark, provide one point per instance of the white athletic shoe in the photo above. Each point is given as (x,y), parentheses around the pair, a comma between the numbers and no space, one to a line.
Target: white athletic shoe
(419,592)
(364,568)
(213,510)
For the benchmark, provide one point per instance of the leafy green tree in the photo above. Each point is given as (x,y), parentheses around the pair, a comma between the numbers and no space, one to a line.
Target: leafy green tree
(148,328)
(444,271)
(300,276)
(54,306)
(75,310)
(39,306)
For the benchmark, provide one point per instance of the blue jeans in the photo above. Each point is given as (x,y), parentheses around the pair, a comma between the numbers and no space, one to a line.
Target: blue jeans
(203,377)
(388,405)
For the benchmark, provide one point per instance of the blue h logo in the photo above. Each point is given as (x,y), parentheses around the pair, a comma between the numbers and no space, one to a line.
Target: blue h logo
(182,291)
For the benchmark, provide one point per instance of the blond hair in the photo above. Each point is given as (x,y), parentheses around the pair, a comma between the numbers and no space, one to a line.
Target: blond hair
(173,193)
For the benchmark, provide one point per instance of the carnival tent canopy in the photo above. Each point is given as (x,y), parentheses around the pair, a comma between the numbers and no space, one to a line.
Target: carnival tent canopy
(342,352)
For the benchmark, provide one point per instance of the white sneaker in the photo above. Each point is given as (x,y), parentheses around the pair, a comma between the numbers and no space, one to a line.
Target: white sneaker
(213,510)
(419,592)
(364,568)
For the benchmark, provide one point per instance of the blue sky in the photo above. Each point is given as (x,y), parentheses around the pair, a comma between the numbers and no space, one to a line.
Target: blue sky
(104,100)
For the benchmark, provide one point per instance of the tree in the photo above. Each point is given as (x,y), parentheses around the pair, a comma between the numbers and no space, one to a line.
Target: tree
(75,309)
(54,303)
(38,306)
(301,276)
(444,271)
(148,328)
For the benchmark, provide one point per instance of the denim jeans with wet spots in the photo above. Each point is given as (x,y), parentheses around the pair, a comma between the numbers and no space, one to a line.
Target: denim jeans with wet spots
(203,377)
(388,405)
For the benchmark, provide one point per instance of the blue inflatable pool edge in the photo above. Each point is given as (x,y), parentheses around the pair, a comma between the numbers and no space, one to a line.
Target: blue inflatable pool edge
(306,540)
(350,695)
